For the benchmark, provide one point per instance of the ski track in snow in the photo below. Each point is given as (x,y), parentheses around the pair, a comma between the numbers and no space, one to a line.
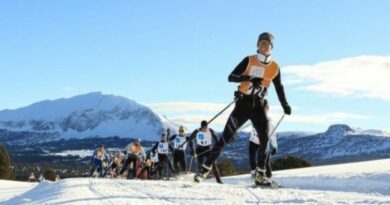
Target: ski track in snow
(354,183)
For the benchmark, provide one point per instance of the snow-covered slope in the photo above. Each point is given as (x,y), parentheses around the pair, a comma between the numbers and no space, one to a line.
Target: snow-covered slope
(10,189)
(88,115)
(355,183)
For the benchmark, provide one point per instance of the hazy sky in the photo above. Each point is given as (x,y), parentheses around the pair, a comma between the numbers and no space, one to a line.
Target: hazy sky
(175,56)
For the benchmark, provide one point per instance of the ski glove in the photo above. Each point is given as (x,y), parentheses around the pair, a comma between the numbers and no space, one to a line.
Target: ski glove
(273,151)
(286,109)
(256,81)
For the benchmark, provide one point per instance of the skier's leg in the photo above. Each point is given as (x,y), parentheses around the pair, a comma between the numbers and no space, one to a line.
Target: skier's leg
(171,167)
(252,151)
(182,160)
(99,167)
(134,161)
(125,165)
(260,123)
(200,159)
(268,167)
(176,159)
(237,118)
(216,174)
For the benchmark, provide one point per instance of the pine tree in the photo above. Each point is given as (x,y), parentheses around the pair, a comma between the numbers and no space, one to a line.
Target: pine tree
(5,164)
(226,168)
(289,162)
(49,175)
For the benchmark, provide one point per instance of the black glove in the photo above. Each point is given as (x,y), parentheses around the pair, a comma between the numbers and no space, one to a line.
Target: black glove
(286,109)
(273,151)
(238,95)
(256,82)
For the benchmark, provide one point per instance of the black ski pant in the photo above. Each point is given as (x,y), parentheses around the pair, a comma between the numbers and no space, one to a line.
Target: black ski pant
(179,160)
(131,158)
(163,159)
(253,154)
(202,154)
(247,108)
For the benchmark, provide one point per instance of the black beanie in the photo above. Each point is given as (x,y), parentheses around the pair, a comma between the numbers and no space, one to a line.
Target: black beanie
(266,36)
(203,124)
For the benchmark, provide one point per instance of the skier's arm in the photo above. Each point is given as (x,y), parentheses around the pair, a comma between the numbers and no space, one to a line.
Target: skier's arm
(188,140)
(172,138)
(142,154)
(236,76)
(215,138)
(93,156)
(280,89)
(192,136)
(171,148)
(154,147)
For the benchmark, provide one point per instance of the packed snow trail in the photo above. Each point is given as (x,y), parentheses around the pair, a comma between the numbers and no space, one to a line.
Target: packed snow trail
(338,184)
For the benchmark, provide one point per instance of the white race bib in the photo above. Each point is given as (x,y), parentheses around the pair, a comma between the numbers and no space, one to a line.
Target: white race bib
(162,148)
(204,138)
(179,141)
(256,71)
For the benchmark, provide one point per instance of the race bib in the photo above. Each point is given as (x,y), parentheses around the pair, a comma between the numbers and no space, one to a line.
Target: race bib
(257,72)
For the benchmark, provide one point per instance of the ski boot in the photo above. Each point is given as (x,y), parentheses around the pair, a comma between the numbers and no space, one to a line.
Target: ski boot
(261,179)
(202,174)
(253,174)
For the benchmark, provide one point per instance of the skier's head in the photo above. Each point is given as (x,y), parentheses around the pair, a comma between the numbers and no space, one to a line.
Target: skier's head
(265,43)
(137,141)
(163,137)
(203,124)
(101,147)
(181,130)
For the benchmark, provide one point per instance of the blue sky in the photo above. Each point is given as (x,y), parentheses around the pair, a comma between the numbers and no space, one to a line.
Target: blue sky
(176,55)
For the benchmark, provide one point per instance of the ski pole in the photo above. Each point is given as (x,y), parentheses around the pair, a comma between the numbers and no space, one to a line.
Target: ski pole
(212,119)
(277,125)
(223,110)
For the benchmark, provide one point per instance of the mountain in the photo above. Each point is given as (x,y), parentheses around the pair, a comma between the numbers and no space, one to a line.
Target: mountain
(340,143)
(89,115)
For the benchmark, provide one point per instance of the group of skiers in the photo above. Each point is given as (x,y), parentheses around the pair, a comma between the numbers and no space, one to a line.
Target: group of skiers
(254,74)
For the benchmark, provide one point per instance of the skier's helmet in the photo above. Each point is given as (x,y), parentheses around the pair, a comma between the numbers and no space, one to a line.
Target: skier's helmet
(181,128)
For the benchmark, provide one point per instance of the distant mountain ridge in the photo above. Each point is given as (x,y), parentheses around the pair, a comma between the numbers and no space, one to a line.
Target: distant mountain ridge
(89,115)
(339,143)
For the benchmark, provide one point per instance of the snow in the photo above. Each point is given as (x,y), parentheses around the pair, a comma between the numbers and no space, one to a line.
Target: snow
(353,183)
(88,115)
(80,153)
(10,189)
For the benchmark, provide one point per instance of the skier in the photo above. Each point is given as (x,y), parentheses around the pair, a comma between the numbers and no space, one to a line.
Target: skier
(134,152)
(99,161)
(162,147)
(204,138)
(255,74)
(116,163)
(254,146)
(153,165)
(179,156)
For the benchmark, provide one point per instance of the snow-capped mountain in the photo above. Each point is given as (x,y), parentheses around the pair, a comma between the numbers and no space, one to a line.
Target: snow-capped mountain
(339,143)
(88,115)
